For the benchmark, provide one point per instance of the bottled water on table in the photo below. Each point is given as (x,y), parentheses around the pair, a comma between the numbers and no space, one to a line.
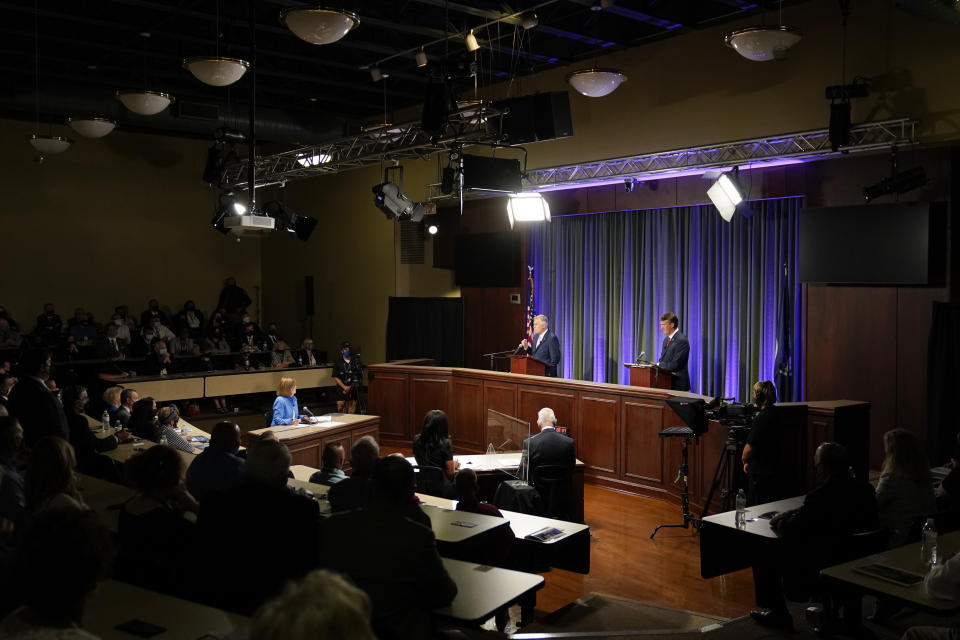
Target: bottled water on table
(105,421)
(929,547)
(741,517)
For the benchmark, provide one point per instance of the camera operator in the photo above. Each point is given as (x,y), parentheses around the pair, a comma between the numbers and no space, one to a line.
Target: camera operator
(348,374)
(761,454)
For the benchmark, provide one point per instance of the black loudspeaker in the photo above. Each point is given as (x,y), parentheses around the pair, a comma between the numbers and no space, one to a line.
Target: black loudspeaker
(542,116)
(304,226)
(491,174)
(438,104)
(308,295)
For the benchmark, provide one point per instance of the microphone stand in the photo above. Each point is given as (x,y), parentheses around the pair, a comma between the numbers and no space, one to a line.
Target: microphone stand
(497,354)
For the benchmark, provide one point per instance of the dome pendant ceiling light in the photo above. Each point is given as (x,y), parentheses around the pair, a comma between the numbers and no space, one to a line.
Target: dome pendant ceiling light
(596,83)
(764,43)
(215,70)
(319,25)
(146,103)
(92,127)
(50,145)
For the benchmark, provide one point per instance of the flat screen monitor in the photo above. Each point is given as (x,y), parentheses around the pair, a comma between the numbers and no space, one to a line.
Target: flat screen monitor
(488,259)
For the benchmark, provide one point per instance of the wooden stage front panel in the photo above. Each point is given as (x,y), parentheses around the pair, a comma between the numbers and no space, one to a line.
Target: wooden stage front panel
(615,427)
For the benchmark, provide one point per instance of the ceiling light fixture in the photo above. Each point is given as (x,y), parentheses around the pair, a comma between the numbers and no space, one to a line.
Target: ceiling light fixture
(50,145)
(92,127)
(764,43)
(725,194)
(421,57)
(319,25)
(146,103)
(215,70)
(376,75)
(596,83)
(529,20)
(472,44)
(527,207)
(432,229)
(393,202)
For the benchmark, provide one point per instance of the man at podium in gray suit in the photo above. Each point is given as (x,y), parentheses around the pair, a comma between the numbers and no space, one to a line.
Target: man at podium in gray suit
(545,345)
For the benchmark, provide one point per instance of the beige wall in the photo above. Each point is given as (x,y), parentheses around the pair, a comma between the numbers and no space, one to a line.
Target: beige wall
(112,221)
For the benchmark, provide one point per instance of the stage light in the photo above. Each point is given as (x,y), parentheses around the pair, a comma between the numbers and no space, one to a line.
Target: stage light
(395,204)
(472,44)
(898,183)
(421,58)
(375,74)
(725,194)
(432,229)
(289,220)
(529,20)
(527,207)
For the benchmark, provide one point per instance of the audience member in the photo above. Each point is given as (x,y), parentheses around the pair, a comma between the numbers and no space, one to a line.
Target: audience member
(168,432)
(5,315)
(191,319)
(272,335)
(813,535)
(259,508)
(322,606)
(128,398)
(36,407)
(233,298)
(217,343)
(9,337)
(109,345)
(546,447)
(143,418)
(249,340)
(12,495)
(352,493)
(432,446)
(942,582)
(154,521)
(332,470)
(218,468)
(285,409)
(7,381)
(280,356)
(159,329)
(905,490)
(86,445)
(761,453)
(183,344)
(82,330)
(128,320)
(51,480)
(468,497)
(153,313)
(58,562)
(348,374)
(159,362)
(123,329)
(49,326)
(401,572)
(111,402)
(308,356)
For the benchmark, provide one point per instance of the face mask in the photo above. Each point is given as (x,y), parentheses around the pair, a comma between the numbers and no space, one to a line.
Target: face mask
(190,307)
(154,307)
(118,322)
(308,345)
(162,352)
(49,313)
(346,353)
(246,319)
(156,325)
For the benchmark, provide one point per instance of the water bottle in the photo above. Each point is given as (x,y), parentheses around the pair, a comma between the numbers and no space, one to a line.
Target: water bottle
(163,439)
(299,361)
(741,517)
(929,551)
(246,361)
(104,421)
(490,453)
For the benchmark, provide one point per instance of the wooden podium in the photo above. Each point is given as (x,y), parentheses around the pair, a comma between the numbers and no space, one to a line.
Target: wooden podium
(528,365)
(649,375)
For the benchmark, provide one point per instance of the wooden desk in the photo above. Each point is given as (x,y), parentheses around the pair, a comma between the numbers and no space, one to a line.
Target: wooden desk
(725,548)
(842,579)
(306,442)
(173,387)
(114,602)
(103,498)
(236,383)
(126,450)
(482,590)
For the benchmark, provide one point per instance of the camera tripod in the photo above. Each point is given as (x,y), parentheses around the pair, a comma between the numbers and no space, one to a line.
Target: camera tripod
(683,473)
(724,474)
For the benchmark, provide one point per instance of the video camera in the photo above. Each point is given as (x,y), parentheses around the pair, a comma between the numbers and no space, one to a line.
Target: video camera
(696,413)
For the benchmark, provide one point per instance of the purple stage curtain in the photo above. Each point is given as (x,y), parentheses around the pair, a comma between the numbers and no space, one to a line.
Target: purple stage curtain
(604,279)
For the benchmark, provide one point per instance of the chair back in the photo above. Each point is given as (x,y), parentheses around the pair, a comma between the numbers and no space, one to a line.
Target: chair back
(268,417)
(552,482)
(430,480)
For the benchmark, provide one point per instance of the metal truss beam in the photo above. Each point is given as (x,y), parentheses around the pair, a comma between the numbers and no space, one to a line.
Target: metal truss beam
(375,146)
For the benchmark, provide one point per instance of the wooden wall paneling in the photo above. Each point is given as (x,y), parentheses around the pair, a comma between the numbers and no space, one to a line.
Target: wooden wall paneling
(467,420)
(307,454)
(532,398)
(389,396)
(599,430)
(427,393)
(710,452)
(641,448)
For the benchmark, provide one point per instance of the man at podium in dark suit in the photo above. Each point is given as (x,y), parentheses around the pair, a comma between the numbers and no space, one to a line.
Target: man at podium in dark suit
(675,352)
(545,346)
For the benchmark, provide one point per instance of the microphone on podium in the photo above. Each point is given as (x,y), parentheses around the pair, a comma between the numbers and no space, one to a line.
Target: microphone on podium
(641,357)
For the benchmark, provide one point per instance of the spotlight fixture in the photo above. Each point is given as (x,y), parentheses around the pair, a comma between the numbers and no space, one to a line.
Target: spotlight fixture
(839,130)
(529,20)
(527,207)
(146,103)
(215,70)
(432,229)
(898,182)
(726,194)
(229,207)
(319,25)
(472,44)
(49,145)
(375,74)
(289,220)
(395,204)
(92,127)
(762,44)
(421,58)
(596,83)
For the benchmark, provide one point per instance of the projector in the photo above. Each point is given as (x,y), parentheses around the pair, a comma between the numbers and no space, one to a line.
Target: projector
(394,203)
(239,224)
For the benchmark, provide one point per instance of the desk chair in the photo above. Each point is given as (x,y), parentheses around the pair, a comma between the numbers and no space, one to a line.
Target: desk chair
(267,417)
(840,610)
(431,481)
(553,483)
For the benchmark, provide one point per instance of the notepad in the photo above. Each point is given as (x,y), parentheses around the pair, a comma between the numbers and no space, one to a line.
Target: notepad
(465,525)
(890,574)
(545,535)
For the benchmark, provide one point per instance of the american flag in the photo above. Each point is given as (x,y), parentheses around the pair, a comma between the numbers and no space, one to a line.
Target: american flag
(530,312)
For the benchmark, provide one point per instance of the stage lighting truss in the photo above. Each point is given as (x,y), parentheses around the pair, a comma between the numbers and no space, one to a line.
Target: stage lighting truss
(372,146)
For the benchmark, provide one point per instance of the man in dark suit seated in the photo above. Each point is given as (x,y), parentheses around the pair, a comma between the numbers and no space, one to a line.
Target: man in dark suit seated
(813,535)
(219,467)
(545,345)
(393,559)
(352,492)
(675,352)
(38,410)
(260,510)
(547,447)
